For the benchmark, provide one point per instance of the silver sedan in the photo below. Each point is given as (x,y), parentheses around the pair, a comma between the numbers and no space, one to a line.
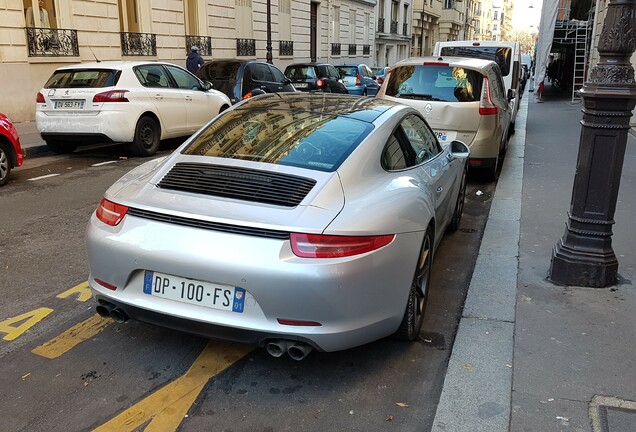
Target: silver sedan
(291,221)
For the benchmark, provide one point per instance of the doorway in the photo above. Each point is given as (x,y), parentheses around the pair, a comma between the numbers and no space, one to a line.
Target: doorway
(313,32)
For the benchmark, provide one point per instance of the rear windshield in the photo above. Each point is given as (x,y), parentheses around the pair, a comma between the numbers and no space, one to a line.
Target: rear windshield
(350,71)
(435,82)
(501,55)
(296,73)
(218,70)
(302,139)
(83,78)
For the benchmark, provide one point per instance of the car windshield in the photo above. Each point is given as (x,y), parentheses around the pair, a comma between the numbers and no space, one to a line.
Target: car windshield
(300,73)
(303,139)
(83,78)
(501,55)
(435,82)
(350,71)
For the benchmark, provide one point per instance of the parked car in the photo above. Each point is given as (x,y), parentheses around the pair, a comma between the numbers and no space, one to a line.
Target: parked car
(317,77)
(242,79)
(271,226)
(507,55)
(358,79)
(10,150)
(461,98)
(381,74)
(138,103)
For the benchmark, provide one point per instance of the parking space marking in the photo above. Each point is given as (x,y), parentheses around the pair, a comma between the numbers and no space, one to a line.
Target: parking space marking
(30,319)
(82,290)
(166,408)
(72,337)
(104,163)
(42,177)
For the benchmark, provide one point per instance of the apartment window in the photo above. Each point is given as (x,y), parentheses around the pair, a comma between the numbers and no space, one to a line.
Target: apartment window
(244,29)
(448,4)
(352,26)
(335,25)
(495,15)
(284,20)
(367,24)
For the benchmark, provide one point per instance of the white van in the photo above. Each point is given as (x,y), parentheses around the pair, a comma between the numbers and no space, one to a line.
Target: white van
(506,54)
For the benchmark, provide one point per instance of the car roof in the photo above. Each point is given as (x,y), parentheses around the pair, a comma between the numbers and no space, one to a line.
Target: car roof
(112,65)
(465,62)
(360,108)
(309,64)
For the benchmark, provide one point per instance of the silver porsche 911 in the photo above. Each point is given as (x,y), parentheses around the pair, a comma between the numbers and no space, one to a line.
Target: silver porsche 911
(291,221)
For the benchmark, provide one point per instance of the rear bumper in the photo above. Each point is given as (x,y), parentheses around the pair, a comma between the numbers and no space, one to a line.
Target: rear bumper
(106,126)
(78,138)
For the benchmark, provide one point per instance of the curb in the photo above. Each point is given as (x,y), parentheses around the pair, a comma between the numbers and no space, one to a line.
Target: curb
(477,390)
(31,150)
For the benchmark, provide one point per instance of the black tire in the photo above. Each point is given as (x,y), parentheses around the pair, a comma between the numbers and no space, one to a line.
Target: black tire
(364,92)
(418,295)
(5,164)
(147,137)
(492,173)
(459,206)
(60,147)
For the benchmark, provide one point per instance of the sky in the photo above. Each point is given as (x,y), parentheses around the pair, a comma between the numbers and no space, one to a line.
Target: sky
(525,16)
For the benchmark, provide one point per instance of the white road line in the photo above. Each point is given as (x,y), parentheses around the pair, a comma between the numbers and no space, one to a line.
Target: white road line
(104,163)
(43,177)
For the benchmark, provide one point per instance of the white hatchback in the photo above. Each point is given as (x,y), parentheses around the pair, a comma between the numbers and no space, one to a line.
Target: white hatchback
(138,103)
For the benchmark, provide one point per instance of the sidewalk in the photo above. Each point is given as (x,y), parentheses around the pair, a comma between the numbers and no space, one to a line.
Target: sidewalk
(530,355)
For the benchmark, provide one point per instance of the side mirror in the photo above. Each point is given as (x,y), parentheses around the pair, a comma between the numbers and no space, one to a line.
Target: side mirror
(459,149)
(286,81)
(207,85)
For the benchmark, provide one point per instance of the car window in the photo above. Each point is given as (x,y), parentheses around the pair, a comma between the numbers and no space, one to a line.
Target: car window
(278,75)
(300,73)
(260,72)
(152,76)
(184,79)
(332,72)
(83,78)
(365,71)
(421,139)
(500,55)
(318,142)
(437,82)
(393,156)
(347,71)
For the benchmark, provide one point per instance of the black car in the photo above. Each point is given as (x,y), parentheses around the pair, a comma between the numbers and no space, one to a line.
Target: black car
(241,79)
(321,77)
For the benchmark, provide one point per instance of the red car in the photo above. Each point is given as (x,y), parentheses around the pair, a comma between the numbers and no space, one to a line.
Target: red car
(10,150)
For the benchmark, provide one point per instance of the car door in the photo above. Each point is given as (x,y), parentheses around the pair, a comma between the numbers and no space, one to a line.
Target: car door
(261,78)
(424,147)
(200,105)
(372,84)
(166,97)
(281,83)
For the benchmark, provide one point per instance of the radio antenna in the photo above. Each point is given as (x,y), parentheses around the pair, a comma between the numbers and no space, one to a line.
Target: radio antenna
(96,59)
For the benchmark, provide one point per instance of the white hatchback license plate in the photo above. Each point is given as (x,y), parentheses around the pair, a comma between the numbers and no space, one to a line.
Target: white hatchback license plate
(194,291)
(68,104)
(441,136)
(300,85)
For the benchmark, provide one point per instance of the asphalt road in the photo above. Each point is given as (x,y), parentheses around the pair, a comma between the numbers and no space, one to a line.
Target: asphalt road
(64,369)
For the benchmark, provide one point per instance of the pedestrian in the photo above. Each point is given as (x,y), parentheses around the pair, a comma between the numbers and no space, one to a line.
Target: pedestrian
(540,93)
(194,60)
(44,16)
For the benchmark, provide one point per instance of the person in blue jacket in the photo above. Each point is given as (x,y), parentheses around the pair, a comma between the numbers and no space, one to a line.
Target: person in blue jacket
(194,60)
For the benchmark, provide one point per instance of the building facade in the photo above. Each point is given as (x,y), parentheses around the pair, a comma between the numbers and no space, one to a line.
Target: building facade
(426,15)
(34,43)
(394,29)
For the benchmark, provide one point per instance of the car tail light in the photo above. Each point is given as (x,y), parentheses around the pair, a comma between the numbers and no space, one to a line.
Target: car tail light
(320,82)
(110,213)
(380,80)
(40,98)
(328,246)
(474,162)
(486,105)
(299,323)
(436,64)
(248,95)
(358,82)
(476,44)
(111,96)
(106,284)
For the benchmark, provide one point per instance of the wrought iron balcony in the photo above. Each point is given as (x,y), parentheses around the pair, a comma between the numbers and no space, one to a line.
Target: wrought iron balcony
(204,43)
(394,27)
(246,47)
(380,25)
(286,48)
(138,44)
(48,42)
(405,29)
(353,49)
(335,49)
(366,49)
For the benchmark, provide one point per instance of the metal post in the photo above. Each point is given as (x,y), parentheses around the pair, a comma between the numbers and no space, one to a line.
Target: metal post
(269,58)
(584,256)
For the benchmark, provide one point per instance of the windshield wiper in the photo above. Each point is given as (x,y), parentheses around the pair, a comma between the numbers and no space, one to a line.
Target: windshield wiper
(420,96)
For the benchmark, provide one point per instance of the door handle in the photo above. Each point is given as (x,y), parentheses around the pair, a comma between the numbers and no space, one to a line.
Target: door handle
(264,87)
(158,96)
(188,98)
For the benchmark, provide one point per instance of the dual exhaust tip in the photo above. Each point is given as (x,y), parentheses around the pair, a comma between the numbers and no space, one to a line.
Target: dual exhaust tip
(276,348)
(109,310)
(296,350)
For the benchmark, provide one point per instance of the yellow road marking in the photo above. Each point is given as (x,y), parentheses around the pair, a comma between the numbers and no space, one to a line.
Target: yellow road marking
(82,290)
(167,407)
(30,318)
(72,337)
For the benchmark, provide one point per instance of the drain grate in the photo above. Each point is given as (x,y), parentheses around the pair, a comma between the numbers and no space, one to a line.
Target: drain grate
(610,414)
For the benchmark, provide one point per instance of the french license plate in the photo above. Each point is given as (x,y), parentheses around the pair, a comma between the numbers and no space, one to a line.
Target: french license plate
(300,85)
(194,292)
(68,104)
(441,136)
